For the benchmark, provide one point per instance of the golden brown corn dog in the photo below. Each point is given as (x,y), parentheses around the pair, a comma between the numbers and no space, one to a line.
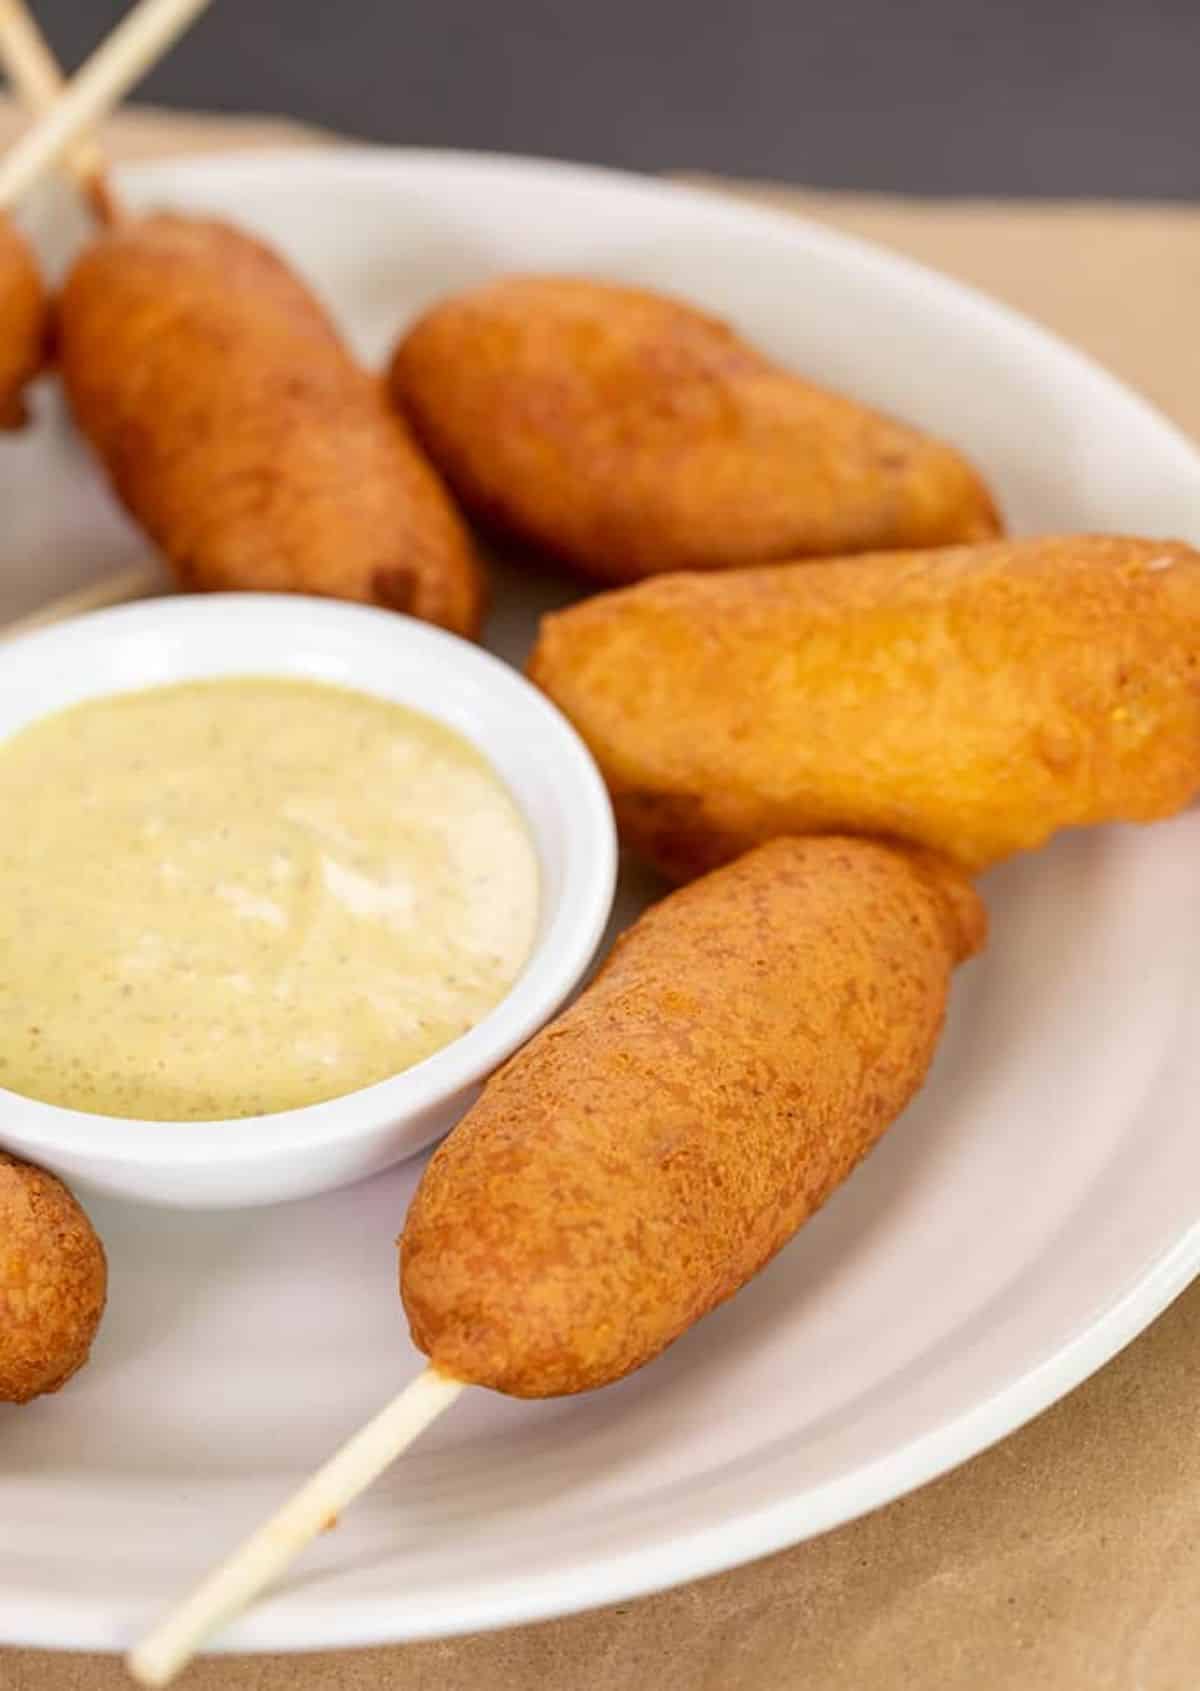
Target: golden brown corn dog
(628,434)
(742,1049)
(239,431)
(53,1283)
(24,323)
(972,700)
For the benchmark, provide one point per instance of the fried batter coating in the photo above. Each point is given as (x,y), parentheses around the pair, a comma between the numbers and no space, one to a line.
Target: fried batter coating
(239,431)
(53,1283)
(744,1046)
(628,434)
(24,323)
(974,700)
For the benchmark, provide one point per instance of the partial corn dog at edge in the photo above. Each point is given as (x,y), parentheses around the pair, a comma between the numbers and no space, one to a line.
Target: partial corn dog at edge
(24,323)
(974,700)
(240,432)
(53,1283)
(627,434)
(742,1049)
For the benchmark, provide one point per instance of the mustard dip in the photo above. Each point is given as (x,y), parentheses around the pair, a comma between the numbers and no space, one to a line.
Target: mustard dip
(233,897)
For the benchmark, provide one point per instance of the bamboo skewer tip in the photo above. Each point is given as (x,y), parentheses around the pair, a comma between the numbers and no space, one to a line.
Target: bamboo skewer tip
(34,73)
(234,1583)
(139,40)
(139,581)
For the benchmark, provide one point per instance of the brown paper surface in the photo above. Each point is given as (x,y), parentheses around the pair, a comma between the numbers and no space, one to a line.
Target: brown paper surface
(1067,1558)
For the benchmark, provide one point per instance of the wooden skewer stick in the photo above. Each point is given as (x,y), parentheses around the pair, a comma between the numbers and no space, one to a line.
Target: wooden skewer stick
(138,41)
(139,581)
(33,71)
(226,1592)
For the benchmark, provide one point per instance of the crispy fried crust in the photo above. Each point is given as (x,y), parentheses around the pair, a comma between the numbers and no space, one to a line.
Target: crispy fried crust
(974,700)
(239,431)
(628,434)
(53,1283)
(24,323)
(742,1049)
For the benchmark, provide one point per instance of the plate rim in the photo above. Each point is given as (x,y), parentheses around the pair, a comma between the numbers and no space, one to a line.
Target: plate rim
(282,1624)
(286,1623)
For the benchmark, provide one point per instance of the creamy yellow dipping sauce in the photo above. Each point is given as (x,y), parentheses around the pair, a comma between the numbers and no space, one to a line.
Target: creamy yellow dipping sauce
(233,897)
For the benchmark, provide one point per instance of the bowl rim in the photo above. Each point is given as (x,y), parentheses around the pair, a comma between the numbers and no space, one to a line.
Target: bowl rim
(560,955)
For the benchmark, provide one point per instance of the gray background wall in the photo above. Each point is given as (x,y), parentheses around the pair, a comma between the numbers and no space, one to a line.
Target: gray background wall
(936,96)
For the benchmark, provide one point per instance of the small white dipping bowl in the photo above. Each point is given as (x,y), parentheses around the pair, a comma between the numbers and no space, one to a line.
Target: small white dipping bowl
(547,768)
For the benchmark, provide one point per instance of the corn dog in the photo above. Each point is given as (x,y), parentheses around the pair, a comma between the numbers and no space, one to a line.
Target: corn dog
(239,431)
(627,434)
(973,700)
(742,1049)
(53,1283)
(24,323)
(647,1153)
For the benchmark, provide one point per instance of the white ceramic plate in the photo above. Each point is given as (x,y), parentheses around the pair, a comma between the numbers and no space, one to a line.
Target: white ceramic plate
(1032,1212)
